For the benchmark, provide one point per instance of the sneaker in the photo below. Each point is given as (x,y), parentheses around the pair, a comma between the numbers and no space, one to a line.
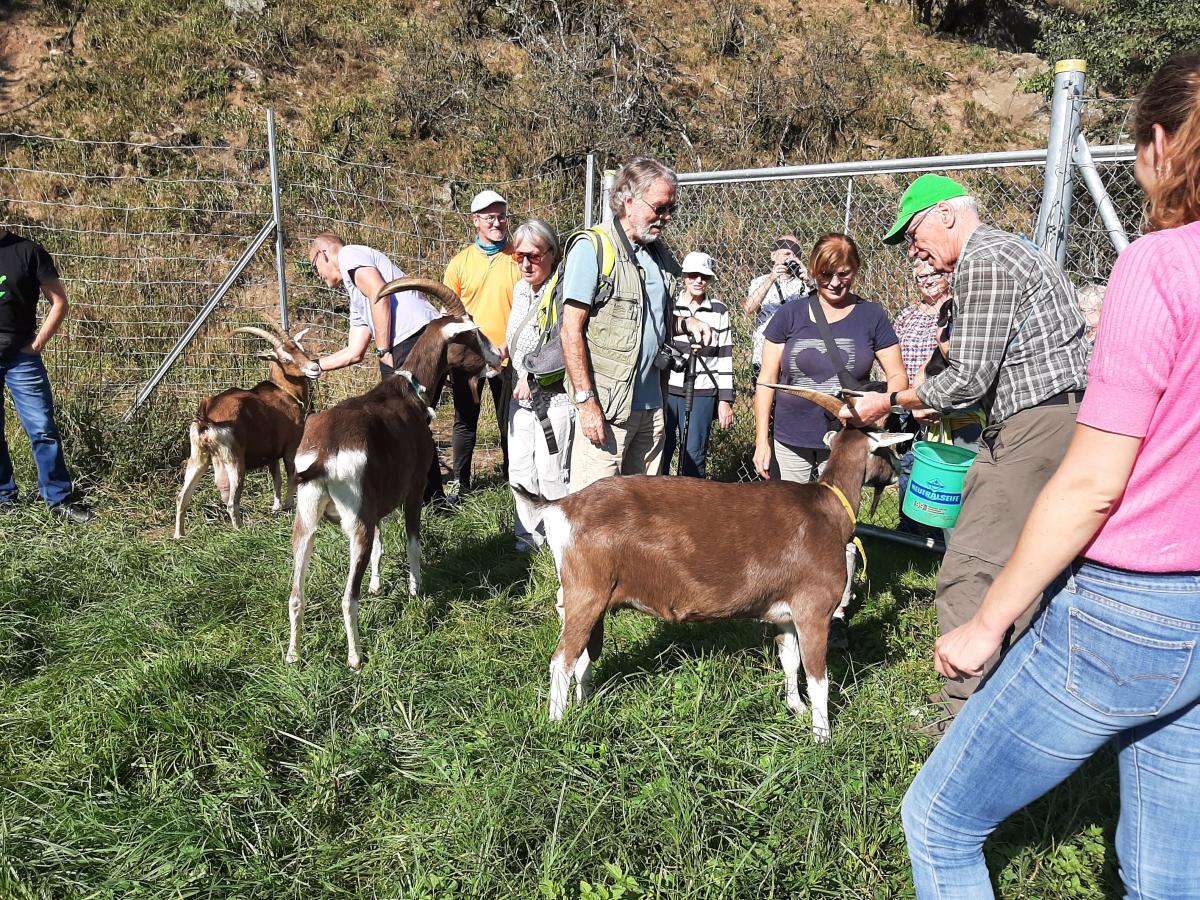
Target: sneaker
(935,729)
(839,638)
(74,511)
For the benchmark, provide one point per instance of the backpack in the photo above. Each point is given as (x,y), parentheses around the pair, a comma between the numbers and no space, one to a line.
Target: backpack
(545,362)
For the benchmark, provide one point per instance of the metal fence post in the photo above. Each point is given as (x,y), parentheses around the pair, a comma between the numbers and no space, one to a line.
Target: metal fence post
(1104,205)
(589,191)
(280,264)
(1055,215)
(606,186)
(849,200)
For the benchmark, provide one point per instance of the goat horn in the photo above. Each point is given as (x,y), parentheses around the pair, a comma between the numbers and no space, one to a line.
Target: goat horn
(827,402)
(265,335)
(275,327)
(300,334)
(450,300)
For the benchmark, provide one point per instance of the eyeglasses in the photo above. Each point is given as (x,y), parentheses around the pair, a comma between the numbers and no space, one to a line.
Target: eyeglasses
(844,275)
(492,218)
(534,258)
(910,233)
(663,209)
(931,276)
(701,275)
(313,262)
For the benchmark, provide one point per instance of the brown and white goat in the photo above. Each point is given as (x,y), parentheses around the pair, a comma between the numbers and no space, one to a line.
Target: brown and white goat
(370,454)
(240,430)
(686,549)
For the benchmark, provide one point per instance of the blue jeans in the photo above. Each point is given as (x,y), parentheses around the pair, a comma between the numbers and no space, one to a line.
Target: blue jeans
(1112,656)
(29,386)
(692,460)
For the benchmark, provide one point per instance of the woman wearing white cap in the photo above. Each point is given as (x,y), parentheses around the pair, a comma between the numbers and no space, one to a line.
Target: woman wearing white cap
(711,368)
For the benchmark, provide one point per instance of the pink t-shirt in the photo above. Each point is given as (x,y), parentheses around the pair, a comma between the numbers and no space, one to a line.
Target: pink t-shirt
(1144,381)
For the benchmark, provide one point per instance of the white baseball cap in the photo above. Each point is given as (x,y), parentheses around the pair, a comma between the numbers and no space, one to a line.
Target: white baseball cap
(484,199)
(700,263)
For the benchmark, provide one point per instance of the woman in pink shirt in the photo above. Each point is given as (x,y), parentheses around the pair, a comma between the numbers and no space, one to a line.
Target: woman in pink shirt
(1112,540)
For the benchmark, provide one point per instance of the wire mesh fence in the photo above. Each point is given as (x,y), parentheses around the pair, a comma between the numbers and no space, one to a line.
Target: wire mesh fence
(736,217)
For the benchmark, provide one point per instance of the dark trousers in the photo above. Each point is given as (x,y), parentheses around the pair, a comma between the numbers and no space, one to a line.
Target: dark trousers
(466,422)
(400,351)
(695,451)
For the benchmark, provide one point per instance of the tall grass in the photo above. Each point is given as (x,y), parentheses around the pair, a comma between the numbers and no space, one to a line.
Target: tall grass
(155,745)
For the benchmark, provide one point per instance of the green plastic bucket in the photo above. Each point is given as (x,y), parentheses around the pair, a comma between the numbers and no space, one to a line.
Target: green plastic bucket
(934,495)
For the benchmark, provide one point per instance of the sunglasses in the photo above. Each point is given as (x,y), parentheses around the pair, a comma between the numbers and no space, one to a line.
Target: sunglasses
(699,275)
(844,275)
(663,209)
(534,258)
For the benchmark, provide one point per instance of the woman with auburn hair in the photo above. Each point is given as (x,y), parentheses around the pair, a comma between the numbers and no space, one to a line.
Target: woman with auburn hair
(1115,651)
(795,353)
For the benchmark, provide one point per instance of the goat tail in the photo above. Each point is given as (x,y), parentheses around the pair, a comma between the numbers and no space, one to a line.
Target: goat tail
(312,473)
(535,500)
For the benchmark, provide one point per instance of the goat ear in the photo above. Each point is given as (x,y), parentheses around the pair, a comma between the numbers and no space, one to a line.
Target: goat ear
(266,354)
(828,439)
(881,439)
(452,329)
(298,335)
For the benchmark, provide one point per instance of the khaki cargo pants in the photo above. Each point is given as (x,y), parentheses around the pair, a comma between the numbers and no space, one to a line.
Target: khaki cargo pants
(998,494)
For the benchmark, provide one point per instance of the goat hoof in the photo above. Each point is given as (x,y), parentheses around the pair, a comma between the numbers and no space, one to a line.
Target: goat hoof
(820,735)
(797,706)
(373,587)
(354,664)
(291,658)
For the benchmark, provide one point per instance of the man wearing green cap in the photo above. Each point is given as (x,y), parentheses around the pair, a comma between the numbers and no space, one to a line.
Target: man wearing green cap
(1018,348)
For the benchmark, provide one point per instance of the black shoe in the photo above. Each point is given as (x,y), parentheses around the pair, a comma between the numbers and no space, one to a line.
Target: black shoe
(74,511)
(9,504)
(838,637)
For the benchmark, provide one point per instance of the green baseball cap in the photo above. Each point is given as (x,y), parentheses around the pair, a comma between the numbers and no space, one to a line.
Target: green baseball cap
(922,194)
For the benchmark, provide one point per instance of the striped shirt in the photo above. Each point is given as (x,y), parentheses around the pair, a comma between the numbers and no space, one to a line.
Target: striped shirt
(714,365)
(1018,333)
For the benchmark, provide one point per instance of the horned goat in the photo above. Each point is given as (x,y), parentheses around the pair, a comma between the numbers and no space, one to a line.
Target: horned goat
(686,549)
(368,455)
(241,430)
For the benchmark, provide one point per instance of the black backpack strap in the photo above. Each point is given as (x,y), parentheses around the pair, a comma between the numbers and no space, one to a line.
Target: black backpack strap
(845,379)
(540,401)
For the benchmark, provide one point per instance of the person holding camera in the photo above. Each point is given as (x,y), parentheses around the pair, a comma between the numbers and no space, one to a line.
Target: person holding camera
(613,340)
(701,381)
(786,281)
(815,343)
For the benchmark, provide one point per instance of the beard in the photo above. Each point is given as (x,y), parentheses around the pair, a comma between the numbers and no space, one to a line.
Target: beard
(647,236)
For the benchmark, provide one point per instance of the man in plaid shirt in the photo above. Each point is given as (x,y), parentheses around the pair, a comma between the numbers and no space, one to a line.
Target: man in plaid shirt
(1018,349)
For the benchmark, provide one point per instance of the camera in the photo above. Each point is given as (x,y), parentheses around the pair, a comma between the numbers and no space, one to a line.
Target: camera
(793,268)
(669,359)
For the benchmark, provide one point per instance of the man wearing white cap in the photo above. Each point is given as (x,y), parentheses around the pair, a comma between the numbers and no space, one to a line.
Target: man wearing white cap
(483,274)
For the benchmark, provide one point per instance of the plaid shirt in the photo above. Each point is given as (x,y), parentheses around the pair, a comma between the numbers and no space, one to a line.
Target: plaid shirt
(916,326)
(1018,334)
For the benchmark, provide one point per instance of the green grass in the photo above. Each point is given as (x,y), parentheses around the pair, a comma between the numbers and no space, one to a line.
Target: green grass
(155,745)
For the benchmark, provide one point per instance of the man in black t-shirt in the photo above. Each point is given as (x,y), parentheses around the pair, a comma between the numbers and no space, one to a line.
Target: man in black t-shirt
(26,270)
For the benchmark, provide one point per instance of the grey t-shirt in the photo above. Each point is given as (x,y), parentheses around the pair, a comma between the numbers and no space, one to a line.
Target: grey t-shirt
(410,310)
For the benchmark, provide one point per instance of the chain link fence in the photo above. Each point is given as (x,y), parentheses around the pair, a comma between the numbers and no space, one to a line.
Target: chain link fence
(736,217)
(143,234)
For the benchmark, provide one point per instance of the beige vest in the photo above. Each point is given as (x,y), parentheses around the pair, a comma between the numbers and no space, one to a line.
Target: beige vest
(614,330)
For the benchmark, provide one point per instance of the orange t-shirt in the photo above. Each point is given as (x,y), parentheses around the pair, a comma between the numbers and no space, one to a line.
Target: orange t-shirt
(485,284)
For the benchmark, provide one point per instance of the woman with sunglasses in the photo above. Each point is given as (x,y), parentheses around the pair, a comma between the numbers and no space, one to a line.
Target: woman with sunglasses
(1114,652)
(531,464)
(710,368)
(795,353)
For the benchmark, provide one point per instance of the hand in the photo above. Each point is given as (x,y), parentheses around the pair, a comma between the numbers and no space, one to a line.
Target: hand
(387,360)
(521,390)
(866,409)
(591,421)
(926,416)
(964,651)
(725,414)
(502,351)
(779,270)
(31,347)
(699,332)
(762,461)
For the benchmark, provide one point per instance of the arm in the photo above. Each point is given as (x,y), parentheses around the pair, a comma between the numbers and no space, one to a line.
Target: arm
(764,400)
(579,371)
(352,353)
(725,394)
(1067,514)
(756,297)
(368,280)
(56,293)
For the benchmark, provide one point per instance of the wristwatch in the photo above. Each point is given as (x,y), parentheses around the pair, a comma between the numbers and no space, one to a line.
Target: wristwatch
(583,396)
(896,407)
(382,352)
